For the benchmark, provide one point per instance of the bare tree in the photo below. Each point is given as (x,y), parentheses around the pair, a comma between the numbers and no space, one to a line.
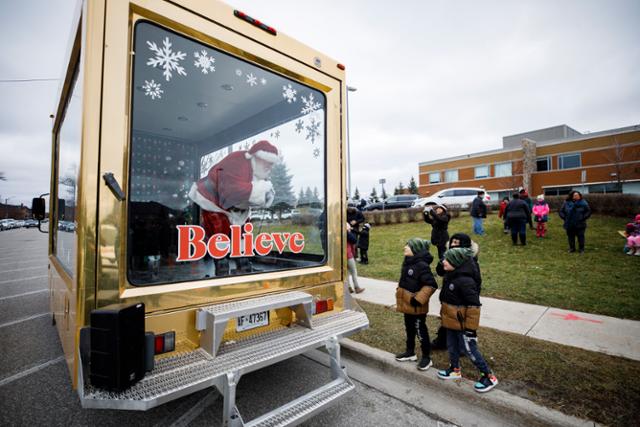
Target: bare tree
(617,158)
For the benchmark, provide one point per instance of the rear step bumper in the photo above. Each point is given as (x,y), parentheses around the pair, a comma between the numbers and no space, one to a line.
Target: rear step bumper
(188,372)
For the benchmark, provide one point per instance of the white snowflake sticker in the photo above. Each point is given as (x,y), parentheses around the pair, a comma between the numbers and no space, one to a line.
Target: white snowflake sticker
(312,130)
(299,126)
(238,72)
(289,93)
(204,62)
(152,89)
(263,81)
(166,59)
(309,105)
(252,80)
(316,153)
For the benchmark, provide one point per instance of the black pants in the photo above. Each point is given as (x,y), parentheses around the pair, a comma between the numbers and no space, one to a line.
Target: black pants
(364,256)
(518,228)
(415,324)
(442,248)
(572,233)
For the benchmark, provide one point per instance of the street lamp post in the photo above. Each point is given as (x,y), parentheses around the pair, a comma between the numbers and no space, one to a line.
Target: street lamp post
(6,206)
(349,89)
(382,182)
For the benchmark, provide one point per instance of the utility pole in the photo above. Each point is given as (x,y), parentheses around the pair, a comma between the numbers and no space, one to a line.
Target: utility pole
(349,89)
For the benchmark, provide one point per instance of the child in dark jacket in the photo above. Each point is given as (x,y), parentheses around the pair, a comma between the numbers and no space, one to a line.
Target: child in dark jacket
(363,244)
(439,218)
(460,314)
(415,287)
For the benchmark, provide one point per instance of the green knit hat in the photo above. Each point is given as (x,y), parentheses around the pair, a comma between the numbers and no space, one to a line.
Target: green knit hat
(458,256)
(418,245)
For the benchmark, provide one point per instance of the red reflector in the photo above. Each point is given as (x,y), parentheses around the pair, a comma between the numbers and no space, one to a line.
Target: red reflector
(164,343)
(341,66)
(254,22)
(321,306)
(159,344)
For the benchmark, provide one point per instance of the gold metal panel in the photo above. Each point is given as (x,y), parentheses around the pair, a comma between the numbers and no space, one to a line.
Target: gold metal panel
(112,284)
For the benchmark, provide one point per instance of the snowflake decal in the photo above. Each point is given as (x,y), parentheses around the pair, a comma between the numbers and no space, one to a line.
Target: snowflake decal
(152,89)
(309,105)
(166,59)
(263,81)
(276,134)
(204,62)
(299,126)
(312,130)
(238,72)
(316,153)
(252,80)
(289,93)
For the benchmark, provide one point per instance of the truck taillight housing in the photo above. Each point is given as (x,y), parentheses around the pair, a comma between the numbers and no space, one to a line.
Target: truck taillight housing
(322,305)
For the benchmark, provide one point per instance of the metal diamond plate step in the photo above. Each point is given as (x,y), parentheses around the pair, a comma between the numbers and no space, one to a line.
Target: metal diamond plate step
(188,372)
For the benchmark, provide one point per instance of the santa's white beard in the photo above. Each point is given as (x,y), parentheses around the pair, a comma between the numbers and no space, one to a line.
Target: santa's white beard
(260,170)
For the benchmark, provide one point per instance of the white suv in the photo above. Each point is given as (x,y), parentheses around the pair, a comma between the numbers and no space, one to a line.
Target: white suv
(462,196)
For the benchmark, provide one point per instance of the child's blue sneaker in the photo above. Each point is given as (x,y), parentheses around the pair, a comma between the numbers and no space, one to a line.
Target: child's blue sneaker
(450,374)
(485,383)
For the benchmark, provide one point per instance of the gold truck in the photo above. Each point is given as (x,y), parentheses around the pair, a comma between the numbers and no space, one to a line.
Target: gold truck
(198,178)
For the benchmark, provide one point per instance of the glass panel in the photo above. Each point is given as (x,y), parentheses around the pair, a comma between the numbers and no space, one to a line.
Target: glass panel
(482,171)
(69,140)
(542,164)
(451,175)
(569,161)
(503,169)
(224,152)
(434,177)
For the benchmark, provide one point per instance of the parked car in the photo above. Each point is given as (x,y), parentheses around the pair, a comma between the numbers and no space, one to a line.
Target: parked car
(66,226)
(394,202)
(7,224)
(19,223)
(30,223)
(461,196)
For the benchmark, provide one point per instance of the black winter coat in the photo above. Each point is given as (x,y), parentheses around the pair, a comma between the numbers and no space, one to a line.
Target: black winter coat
(356,216)
(440,223)
(478,208)
(363,239)
(575,214)
(459,287)
(517,209)
(416,272)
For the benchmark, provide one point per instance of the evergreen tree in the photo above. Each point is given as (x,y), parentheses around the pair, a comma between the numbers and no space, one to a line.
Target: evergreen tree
(373,197)
(308,196)
(396,191)
(315,198)
(301,199)
(383,195)
(400,188)
(284,197)
(413,187)
(356,195)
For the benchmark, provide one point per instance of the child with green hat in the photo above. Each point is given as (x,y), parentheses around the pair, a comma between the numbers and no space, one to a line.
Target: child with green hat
(460,314)
(415,287)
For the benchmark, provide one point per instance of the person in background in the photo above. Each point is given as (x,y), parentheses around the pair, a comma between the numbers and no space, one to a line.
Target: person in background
(518,214)
(524,196)
(503,206)
(632,233)
(355,218)
(439,218)
(363,243)
(352,269)
(460,313)
(415,287)
(541,213)
(478,213)
(575,212)
(362,204)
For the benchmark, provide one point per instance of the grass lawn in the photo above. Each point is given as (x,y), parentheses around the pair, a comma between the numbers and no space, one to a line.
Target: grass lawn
(577,382)
(603,280)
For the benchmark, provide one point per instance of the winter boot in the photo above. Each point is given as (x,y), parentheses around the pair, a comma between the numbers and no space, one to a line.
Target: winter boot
(407,356)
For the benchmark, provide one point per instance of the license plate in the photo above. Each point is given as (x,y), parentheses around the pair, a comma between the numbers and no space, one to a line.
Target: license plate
(253,320)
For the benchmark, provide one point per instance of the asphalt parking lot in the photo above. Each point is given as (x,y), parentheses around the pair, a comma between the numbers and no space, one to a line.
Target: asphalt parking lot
(35,387)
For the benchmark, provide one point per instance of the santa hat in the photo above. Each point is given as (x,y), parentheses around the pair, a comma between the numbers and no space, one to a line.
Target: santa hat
(263,150)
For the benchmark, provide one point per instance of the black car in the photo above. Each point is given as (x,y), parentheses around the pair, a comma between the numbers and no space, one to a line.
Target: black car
(393,202)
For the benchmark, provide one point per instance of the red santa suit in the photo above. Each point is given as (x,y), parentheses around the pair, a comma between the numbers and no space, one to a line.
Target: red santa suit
(233,186)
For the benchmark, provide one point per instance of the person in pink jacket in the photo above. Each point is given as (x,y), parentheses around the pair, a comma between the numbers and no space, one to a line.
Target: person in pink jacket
(541,214)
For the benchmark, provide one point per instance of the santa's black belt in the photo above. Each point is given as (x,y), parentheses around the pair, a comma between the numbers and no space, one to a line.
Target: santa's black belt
(237,210)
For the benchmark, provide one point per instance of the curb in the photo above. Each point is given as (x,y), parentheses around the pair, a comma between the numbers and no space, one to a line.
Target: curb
(517,410)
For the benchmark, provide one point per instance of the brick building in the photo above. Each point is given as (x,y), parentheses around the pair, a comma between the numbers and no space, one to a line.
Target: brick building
(552,161)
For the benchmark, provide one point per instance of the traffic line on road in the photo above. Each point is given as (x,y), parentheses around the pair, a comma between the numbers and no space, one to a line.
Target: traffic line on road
(4,282)
(24,319)
(24,269)
(24,294)
(30,371)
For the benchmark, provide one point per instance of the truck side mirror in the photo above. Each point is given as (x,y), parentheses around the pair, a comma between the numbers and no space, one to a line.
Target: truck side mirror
(38,208)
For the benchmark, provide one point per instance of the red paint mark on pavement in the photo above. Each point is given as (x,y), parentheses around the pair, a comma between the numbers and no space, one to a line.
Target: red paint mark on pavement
(571,316)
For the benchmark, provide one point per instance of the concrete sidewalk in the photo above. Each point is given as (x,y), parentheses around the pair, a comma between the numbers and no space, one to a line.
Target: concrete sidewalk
(618,337)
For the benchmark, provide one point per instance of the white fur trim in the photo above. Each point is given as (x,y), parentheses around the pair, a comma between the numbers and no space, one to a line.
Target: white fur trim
(259,191)
(267,156)
(235,218)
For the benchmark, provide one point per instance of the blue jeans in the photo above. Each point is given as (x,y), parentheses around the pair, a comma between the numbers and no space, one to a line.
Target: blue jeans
(477,225)
(457,343)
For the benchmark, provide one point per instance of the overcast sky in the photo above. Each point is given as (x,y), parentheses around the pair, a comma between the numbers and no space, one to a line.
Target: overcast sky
(434,78)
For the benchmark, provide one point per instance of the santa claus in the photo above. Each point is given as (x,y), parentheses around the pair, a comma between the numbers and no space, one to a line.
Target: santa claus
(232,186)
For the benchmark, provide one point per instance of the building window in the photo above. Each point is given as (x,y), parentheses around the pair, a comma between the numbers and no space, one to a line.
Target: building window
(568,161)
(503,169)
(543,164)
(557,191)
(482,171)
(434,177)
(605,188)
(451,175)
